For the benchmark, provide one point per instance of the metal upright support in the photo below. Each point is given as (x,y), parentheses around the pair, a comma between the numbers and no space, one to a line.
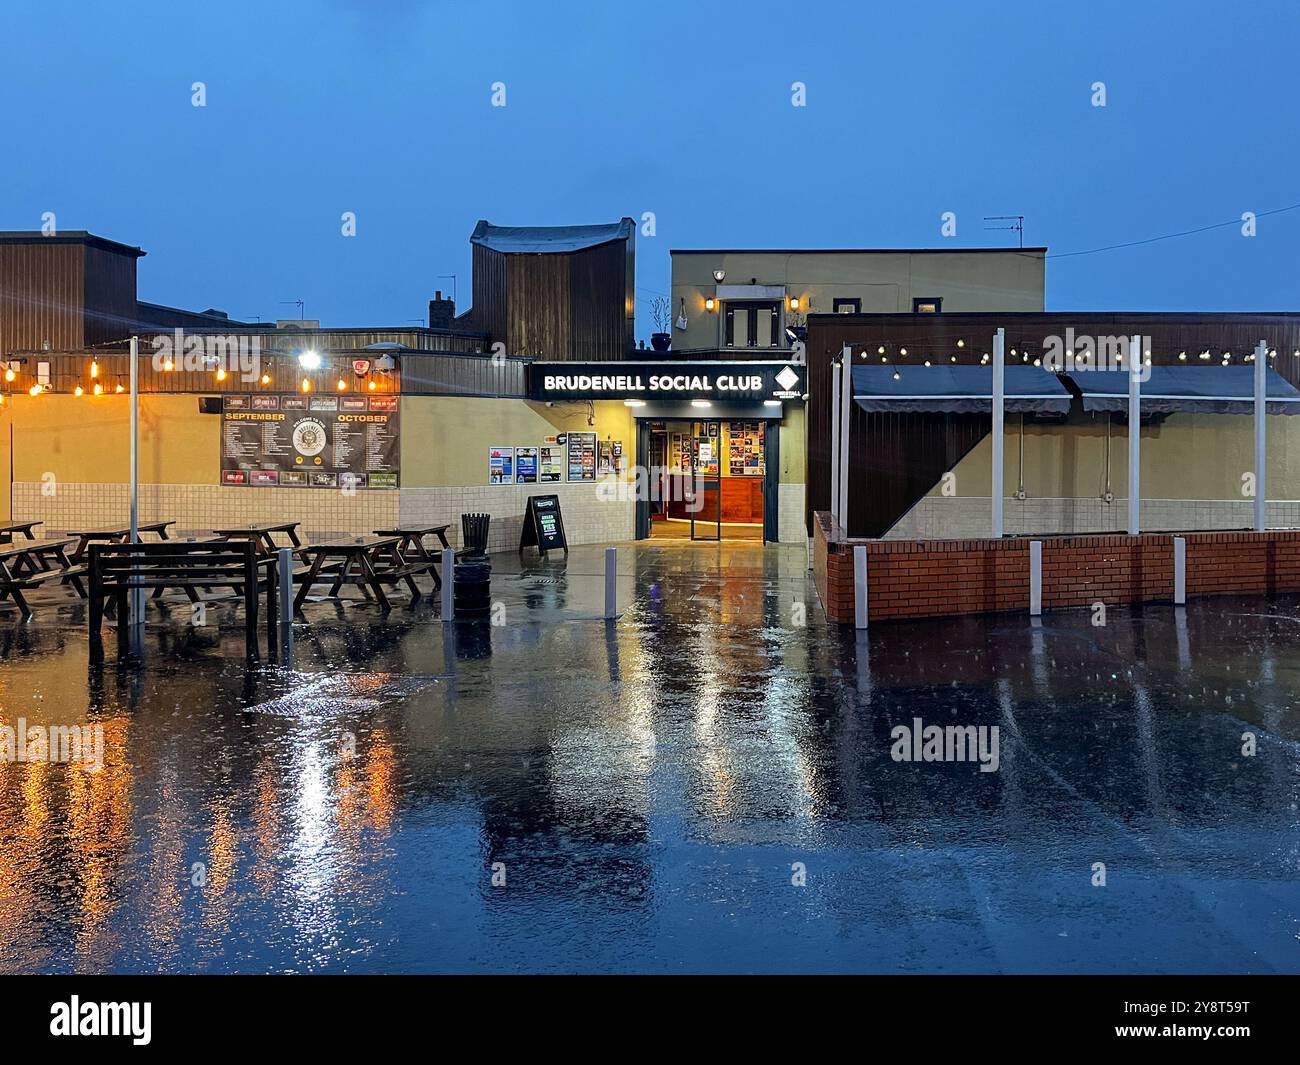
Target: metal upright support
(137,594)
(999,367)
(1035,578)
(1261,445)
(284,575)
(847,353)
(1134,435)
(860,586)
(448,583)
(611,583)
(846,414)
(1180,570)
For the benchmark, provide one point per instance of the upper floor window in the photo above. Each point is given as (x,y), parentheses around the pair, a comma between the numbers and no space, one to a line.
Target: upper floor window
(847,306)
(927,305)
(751,325)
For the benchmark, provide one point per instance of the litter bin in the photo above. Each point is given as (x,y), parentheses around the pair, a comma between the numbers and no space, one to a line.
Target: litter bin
(473,588)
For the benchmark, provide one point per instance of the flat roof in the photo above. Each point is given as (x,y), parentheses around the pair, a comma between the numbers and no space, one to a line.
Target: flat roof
(548,240)
(848,251)
(68,236)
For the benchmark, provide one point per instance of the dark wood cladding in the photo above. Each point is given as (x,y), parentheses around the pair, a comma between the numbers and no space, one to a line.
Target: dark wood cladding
(41,296)
(569,307)
(896,458)
(109,295)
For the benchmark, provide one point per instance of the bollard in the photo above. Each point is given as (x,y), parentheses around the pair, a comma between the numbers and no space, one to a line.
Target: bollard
(1035,578)
(1180,570)
(284,573)
(860,586)
(448,580)
(611,582)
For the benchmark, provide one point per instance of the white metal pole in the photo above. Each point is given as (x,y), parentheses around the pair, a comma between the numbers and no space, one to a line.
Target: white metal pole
(1035,577)
(1261,446)
(846,402)
(137,594)
(1134,434)
(999,344)
(860,586)
(835,436)
(1180,570)
(448,582)
(611,583)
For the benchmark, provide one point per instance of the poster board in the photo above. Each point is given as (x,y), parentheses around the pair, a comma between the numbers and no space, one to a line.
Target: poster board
(501,465)
(305,441)
(526,465)
(582,456)
(550,461)
(543,525)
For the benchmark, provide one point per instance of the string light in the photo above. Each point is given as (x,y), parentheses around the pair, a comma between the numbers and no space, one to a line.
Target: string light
(341,385)
(94,368)
(9,374)
(77,391)
(98,388)
(266,378)
(371,386)
(306,385)
(221,373)
(168,364)
(36,390)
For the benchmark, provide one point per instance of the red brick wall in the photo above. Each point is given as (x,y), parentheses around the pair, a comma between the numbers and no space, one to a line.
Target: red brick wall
(931,578)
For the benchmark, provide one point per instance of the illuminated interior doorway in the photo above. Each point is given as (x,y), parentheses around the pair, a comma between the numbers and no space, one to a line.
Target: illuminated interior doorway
(710,479)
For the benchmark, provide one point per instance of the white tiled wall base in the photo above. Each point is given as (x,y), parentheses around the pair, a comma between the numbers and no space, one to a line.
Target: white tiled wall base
(790,519)
(962,517)
(592,514)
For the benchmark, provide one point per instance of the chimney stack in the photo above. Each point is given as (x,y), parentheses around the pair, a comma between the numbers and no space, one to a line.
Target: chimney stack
(441,311)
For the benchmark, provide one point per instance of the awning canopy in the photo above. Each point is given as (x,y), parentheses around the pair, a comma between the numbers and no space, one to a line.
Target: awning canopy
(1170,389)
(957,389)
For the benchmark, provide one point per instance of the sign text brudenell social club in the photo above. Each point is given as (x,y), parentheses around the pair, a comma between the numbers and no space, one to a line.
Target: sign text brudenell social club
(669,381)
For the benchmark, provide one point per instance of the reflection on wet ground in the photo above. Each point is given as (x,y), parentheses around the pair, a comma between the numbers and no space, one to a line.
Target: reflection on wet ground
(650,791)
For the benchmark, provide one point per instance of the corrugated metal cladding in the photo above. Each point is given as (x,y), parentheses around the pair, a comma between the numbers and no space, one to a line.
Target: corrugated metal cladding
(462,375)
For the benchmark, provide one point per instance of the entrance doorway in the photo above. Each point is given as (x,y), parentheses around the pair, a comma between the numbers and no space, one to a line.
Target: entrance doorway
(711,479)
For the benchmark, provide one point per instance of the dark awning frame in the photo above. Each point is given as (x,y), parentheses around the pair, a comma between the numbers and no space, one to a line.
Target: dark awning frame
(1187,389)
(962,389)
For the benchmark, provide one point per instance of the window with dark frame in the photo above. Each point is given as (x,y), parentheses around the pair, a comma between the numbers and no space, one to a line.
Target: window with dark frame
(847,306)
(927,305)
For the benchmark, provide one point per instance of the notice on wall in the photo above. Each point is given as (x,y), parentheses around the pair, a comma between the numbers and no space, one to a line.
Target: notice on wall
(526,465)
(297,441)
(550,463)
(501,465)
(582,456)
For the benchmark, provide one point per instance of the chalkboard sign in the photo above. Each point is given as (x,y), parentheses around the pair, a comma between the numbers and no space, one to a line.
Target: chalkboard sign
(543,525)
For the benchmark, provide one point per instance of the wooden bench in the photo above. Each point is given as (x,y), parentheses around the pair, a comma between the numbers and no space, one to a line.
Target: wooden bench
(117,569)
(30,565)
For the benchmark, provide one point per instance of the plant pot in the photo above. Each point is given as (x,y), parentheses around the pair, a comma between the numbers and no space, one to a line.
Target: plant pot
(661,341)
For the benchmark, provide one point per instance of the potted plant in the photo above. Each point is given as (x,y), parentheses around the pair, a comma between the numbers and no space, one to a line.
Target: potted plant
(661,310)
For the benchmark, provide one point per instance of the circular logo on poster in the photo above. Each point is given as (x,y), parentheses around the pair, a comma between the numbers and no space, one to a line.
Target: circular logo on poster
(309,437)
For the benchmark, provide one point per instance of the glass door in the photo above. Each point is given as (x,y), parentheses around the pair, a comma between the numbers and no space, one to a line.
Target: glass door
(706,486)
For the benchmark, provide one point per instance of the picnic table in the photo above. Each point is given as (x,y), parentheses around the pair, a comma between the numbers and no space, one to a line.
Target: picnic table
(29,565)
(24,527)
(367,561)
(86,537)
(411,542)
(263,534)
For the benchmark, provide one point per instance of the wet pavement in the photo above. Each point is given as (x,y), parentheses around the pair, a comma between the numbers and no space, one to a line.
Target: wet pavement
(705,785)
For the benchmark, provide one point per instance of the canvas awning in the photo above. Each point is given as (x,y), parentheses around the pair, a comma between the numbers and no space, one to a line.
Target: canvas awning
(956,389)
(1170,389)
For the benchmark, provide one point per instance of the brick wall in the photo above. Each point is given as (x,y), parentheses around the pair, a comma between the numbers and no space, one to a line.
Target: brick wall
(933,578)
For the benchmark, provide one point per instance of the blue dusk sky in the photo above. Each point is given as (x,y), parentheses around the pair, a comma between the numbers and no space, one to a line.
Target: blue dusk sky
(681,109)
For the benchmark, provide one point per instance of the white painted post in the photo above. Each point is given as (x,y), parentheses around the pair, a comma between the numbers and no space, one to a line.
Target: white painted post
(860,586)
(847,353)
(448,583)
(611,582)
(846,403)
(284,575)
(1134,434)
(1180,570)
(999,367)
(1035,578)
(1261,447)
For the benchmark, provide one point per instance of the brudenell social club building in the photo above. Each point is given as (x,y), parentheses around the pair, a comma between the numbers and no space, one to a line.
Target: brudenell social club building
(739,420)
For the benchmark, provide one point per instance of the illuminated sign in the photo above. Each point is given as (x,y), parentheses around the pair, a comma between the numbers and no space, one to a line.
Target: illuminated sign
(665,381)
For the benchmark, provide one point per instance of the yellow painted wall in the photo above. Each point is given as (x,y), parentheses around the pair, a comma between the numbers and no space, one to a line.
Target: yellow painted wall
(1188,456)
(794,452)
(6,423)
(87,439)
(445,439)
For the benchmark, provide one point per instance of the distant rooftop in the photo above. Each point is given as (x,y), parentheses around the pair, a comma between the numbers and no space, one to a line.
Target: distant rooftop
(67,236)
(548,240)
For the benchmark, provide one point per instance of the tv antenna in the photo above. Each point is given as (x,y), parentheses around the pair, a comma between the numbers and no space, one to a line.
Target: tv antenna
(1017,223)
(302,308)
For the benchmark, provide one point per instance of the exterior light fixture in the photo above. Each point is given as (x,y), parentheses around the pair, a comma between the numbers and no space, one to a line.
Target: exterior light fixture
(341,385)
(1038,362)
(880,350)
(794,303)
(309,360)
(371,386)
(221,373)
(306,385)
(266,378)
(94,368)
(99,389)
(709,303)
(9,374)
(701,403)
(78,391)
(961,343)
(1182,356)
(168,364)
(927,362)
(897,375)
(719,276)
(119,388)
(771,403)
(634,402)
(36,390)
(902,351)
(952,358)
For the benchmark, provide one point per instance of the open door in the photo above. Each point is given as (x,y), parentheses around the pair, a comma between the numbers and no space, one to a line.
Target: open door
(706,463)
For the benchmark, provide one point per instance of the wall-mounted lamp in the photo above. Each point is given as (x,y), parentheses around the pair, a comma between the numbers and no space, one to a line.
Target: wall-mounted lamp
(794,303)
(709,304)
